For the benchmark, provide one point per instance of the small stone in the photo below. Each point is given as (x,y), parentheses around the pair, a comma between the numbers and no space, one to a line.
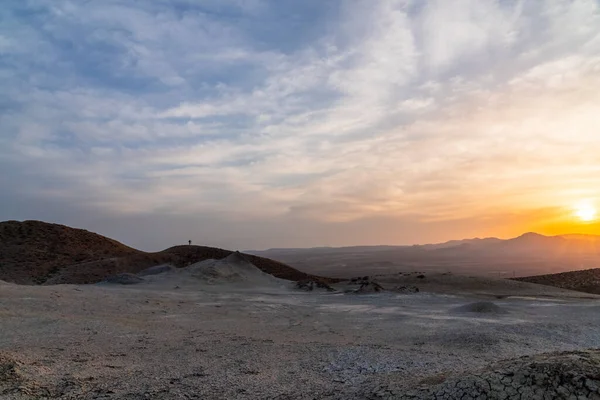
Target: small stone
(591,385)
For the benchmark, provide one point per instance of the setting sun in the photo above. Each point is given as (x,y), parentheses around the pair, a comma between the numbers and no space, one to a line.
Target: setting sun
(586,212)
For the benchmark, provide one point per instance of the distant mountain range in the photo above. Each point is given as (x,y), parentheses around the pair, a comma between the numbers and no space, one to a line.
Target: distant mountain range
(528,254)
(530,242)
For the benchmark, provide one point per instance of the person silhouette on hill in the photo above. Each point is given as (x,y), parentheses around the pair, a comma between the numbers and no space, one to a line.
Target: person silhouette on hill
(190,242)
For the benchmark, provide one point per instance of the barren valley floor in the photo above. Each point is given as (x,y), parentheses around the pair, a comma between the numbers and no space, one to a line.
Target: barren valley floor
(199,341)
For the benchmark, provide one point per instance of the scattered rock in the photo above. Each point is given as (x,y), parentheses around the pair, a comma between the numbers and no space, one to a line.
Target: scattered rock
(369,287)
(406,289)
(310,285)
(366,285)
(359,280)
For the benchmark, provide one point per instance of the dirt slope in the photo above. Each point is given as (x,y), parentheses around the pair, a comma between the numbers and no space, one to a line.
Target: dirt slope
(583,281)
(31,251)
(35,252)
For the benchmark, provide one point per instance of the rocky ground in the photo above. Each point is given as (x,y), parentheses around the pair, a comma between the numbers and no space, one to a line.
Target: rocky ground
(177,338)
(574,375)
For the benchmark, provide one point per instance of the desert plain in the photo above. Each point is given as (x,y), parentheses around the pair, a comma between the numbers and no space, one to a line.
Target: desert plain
(223,329)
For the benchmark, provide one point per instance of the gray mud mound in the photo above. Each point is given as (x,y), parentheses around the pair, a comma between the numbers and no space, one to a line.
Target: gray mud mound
(232,269)
(158,269)
(124,279)
(574,375)
(236,258)
(481,307)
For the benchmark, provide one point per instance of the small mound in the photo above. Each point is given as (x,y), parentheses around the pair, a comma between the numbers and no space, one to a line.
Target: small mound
(124,279)
(232,269)
(481,307)
(236,258)
(158,269)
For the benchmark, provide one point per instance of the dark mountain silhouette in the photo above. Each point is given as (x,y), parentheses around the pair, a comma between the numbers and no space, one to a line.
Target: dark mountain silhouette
(35,252)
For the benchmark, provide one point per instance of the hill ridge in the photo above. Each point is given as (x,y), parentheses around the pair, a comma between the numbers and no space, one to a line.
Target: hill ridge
(37,252)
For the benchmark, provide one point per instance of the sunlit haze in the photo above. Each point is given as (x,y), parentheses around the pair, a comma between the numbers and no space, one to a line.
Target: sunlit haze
(279,123)
(586,212)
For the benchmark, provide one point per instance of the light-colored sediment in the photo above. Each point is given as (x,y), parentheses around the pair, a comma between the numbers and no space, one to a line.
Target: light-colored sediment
(188,334)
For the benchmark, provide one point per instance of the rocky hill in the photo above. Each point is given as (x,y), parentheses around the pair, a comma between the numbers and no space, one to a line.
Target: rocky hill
(583,281)
(35,252)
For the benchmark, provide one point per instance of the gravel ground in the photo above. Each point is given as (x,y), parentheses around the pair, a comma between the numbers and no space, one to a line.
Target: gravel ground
(190,340)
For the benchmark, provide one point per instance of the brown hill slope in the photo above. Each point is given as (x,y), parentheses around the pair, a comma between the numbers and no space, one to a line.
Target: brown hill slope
(30,251)
(34,252)
(583,281)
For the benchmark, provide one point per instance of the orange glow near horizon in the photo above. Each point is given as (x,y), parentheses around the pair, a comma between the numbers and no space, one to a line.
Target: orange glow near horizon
(571,217)
(581,218)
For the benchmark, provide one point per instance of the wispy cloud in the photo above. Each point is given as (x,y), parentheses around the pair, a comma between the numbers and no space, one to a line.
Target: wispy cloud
(332,112)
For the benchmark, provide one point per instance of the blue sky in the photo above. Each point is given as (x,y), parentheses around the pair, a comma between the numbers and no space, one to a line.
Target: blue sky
(255,123)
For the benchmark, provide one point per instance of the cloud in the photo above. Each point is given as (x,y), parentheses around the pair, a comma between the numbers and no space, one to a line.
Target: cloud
(465,30)
(332,113)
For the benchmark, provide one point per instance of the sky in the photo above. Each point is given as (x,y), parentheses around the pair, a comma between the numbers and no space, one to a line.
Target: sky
(250,124)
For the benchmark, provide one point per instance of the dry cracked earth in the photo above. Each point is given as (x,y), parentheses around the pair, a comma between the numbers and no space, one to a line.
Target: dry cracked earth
(170,339)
